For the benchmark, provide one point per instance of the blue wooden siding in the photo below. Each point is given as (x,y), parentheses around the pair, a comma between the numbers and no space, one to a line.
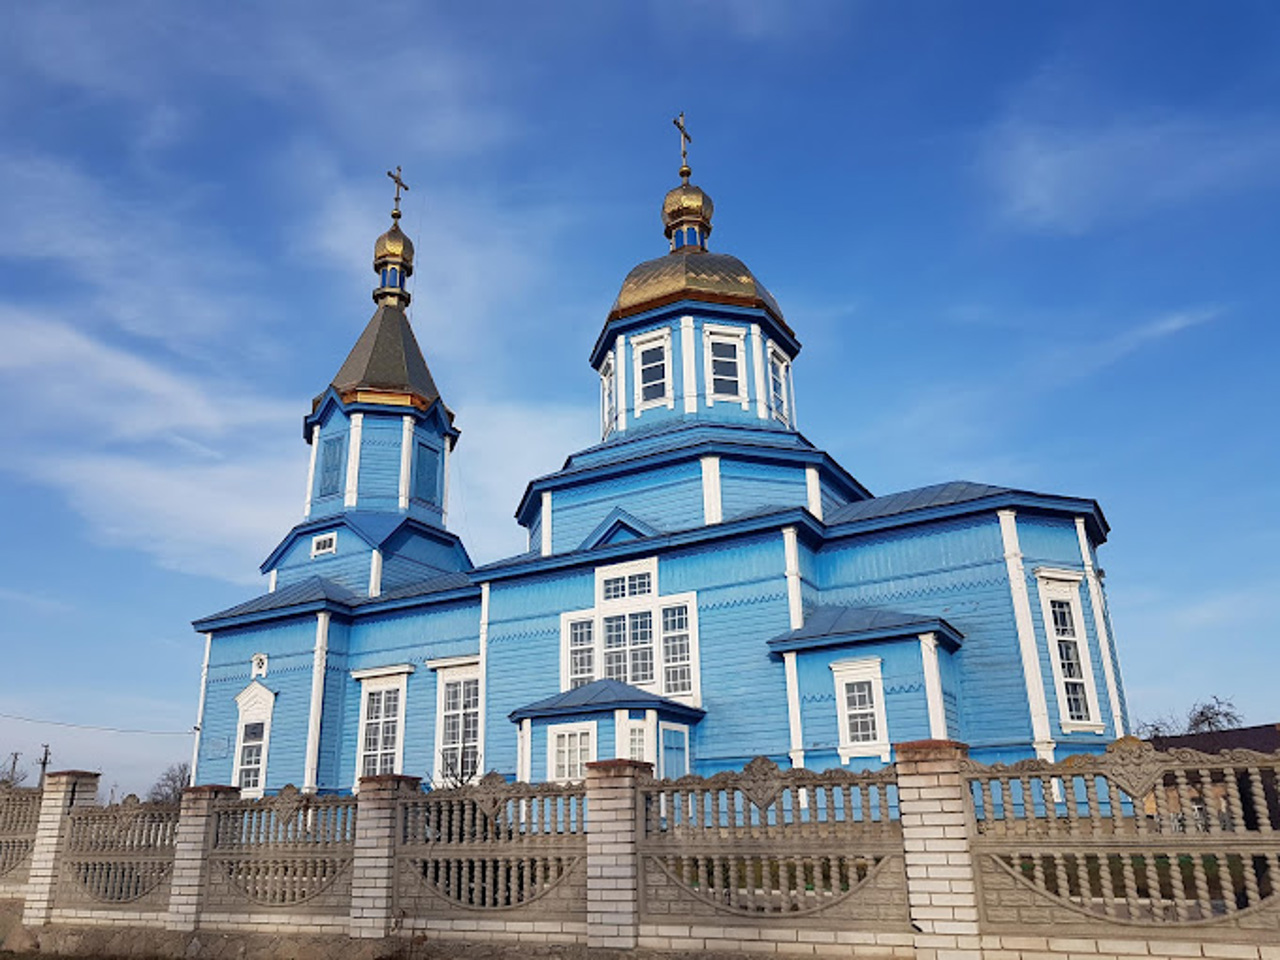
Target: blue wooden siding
(348,567)
(540,732)
(670,498)
(379,479)
(749,486)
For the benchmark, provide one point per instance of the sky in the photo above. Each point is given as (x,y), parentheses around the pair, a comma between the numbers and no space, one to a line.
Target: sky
(1022,244)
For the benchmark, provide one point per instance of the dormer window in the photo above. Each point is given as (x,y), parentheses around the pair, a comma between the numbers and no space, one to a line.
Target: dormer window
(652,354)
(779,392)
(330,467)
(426,480)
(324,543)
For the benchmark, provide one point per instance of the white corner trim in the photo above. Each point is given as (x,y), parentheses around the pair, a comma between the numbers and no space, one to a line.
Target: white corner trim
(933,686)
(271,580)
(545,516)
(374,673)
(1026,633)
(688,367)
(1097,608)
(448,663)
(319,660)
(406,459)
(757,365)
(311,469)
(620,379)
(484,677)
(792,552)
(444,485)
(793,709)
(524,751)
(813,490)
(712,510)
(621,734)
(375,573)
(353,459)
(204,688)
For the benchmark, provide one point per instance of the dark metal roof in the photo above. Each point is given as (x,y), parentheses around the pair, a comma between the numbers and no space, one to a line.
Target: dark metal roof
(1263,739)
(937,495)
(387,357)
(835,624)
(606,695)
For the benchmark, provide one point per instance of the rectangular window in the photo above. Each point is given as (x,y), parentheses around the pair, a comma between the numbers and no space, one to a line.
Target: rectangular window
(582,653)
(726,374)
(615,588)
(860,709)
(251,740)
(380,745)
(324,543)
(676,650)
(571,748)
(330,467)
(653,373)
(426,474)
(1073,678)
(608,398)
(636,744)
(778,388)
(460,730)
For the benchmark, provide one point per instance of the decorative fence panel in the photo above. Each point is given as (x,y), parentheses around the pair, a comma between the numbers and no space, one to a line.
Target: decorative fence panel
(1135,838)
(118,857)
(19,814)
(287,854)
(768,844)
(493,848)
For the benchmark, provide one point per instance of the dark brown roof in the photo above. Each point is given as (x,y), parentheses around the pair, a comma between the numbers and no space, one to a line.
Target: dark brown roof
(1264,739)
(387,357)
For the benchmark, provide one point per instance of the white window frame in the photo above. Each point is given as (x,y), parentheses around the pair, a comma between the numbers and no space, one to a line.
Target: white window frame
(255,704)
(608,396)
(558,729)
(715,333)
(782,415)
(640,344)
(660,767)
(653,602)
(1055,584)
(381,678)
(324,543)
(457,672)
(852,671)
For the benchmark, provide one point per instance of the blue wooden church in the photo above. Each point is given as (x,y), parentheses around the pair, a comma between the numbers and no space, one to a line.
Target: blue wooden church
(703,585)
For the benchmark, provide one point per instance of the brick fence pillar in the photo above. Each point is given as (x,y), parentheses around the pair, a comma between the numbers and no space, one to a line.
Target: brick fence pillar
(940,870)
(62,791)
(191,845)
(612,864)
(373,872)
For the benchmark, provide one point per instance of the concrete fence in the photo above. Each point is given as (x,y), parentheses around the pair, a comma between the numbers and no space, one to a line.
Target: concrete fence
(1133,853)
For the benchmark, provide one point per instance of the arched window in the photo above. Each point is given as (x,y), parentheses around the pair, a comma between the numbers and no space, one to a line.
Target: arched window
(394,282)
(384,276)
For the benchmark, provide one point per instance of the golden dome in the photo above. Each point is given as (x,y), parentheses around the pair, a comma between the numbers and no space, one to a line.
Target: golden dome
(685,203)
(394,243)
(691,273)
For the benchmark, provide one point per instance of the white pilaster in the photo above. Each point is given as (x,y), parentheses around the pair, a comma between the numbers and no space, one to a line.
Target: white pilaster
(1026,635)
(204,687)
(813,491)
(620,379)
(712,509)
(793,709)
(311,469)
(792,551)
(622,734)
(651,737)
(484,674)
(272,577)
(757,368)
(546,523)
(524,751)
(444,492)
(687,363)
(1096,601)
(406,459)
(933,687)
(319,662)
(375,574)
(353,460)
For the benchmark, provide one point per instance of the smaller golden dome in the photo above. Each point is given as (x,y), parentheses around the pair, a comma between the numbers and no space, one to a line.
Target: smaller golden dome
(687,203)
(395,244)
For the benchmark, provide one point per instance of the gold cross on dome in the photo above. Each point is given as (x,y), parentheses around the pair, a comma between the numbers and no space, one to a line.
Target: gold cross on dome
(400,185)
(685,140)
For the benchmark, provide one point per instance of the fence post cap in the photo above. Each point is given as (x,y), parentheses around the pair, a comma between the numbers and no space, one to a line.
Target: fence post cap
(620,766)
(913,750)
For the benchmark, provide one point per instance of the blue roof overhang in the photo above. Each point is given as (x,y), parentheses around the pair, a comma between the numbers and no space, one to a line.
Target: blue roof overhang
(436,414)
(605,696)
(372,527)
(759,453)
(836,626)
(777,332)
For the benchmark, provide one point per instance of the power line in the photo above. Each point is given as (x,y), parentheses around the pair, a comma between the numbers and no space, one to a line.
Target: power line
(89,726)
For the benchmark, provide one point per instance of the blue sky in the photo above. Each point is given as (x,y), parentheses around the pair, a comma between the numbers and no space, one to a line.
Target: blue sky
(1024,244)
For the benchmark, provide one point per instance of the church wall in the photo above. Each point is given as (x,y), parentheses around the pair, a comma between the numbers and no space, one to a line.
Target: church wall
(523,651)
(289,646)
(668,497)
(748,486)
(956,570)
(348,567)
(337,684)
(540,733)
(1049,542)
(334,425)
(379,481)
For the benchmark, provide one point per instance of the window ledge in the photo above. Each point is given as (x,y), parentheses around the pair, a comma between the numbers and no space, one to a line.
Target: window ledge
(1077,726)
(864,751)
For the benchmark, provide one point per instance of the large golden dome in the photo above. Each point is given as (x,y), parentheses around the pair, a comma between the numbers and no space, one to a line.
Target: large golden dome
(691,273)
(394,243)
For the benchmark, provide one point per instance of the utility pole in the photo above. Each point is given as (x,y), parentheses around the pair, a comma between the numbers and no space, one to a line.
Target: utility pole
(13,767)
(44,764)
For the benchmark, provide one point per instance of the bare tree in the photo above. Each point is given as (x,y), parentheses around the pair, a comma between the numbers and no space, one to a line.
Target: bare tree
(170,784)
(1204,716)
